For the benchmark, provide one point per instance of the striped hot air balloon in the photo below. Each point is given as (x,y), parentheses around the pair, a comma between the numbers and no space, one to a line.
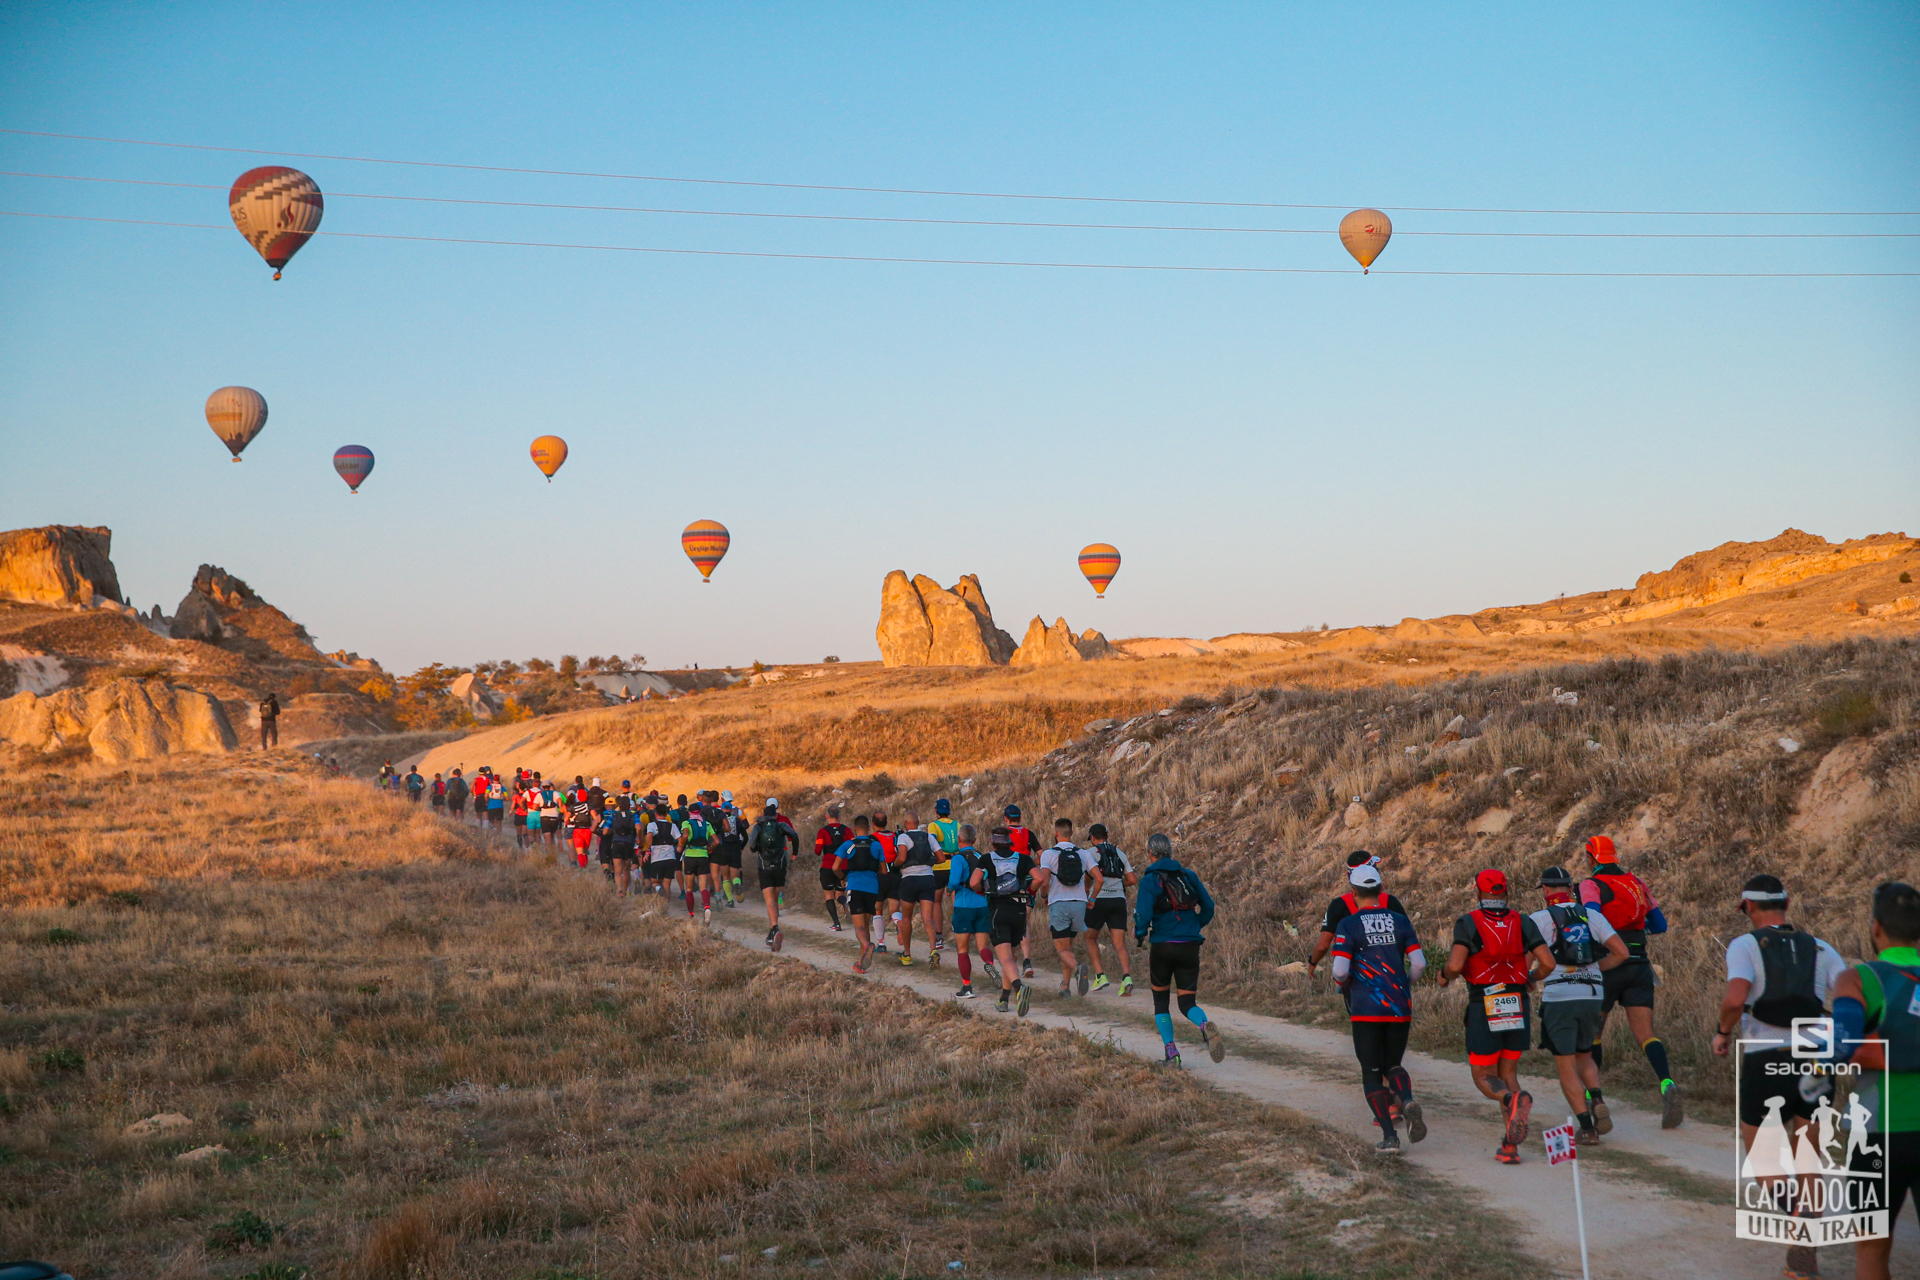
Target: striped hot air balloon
(354,462)
(1099,563)
(236,415)
(548,453)
(277,209)
(1365,232)
(705,542)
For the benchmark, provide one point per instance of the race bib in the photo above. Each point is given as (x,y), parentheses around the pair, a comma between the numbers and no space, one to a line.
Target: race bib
(1913,1005)
(1506,1010)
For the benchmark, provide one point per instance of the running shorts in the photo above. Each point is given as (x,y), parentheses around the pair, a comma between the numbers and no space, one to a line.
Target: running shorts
(1174,964)
(1630,986)
(1901,1151)
(550,822)
(1484,1044)
(458,804)
(773,879)
(1009,921)
(663,869)
(439,802)
(414,796)
(889,884)
(1756,1087)
(829,878)
(972,920)
(918,889)
(1065,919)
(727,855)
(862,903)
(1107,913)
(496,816)
(1568,1027)
(581,835)
(696,864)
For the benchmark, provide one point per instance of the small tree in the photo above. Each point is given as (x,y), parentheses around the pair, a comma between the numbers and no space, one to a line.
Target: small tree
(569,665)
(596,663)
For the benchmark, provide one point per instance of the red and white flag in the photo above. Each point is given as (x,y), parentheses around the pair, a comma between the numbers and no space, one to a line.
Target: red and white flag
(1559,1142)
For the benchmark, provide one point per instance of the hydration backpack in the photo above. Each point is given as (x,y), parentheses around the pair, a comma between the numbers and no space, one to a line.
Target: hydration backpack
(863,858)
(770,845)
(1068,867)
(1573,936)
(698,833)
(916,848)
(1110,864)
(1177,892)
(1003,881)
(1788,959)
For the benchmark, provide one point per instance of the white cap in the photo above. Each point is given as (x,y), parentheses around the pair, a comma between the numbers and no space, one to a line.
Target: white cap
(773,802)
(1364,876)
(596,782)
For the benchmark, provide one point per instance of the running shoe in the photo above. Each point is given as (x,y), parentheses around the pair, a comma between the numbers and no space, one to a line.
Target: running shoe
(965,992)
(940,943)
(1602,1119)
(880,948)
(1100,983)
(858,967)
(1585,1137)
(1173,1055)
(1065,989)
(1518,1107)
(1416,1120)
(706,915)
(1026,968)
(1126,985)
(1216,1043)
(1082,980)
(1507,1154)
(1803,1263)
(906,962)
(1000,1005)
(838,928)
(1022,998)
(770,934)
(1389,1145)
(1671,1112)
(778,939)
(934,959)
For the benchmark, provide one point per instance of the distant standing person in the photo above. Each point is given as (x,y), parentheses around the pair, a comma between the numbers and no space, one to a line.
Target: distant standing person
(270,721)
(1172,909)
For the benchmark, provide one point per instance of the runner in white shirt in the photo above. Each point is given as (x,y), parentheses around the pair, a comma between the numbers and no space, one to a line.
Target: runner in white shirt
(918,849)
(1583,944)
(1107,910)
(1065,874)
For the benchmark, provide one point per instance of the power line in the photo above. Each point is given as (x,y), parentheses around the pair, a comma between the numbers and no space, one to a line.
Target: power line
(995,262)
(987,222)
(984,195)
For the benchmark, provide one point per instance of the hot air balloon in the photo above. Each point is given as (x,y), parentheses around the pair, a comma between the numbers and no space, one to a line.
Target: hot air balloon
(354,462)
(705,542)
(548,453)
(1099,563)
(277,209)
(1365,232)
(236,415)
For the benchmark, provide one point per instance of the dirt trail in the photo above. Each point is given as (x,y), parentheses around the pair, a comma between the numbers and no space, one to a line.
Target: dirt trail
(1656,1201)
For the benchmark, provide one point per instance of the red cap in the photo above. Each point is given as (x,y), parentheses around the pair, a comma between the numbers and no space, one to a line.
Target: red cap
(1601,848)
(1492,883)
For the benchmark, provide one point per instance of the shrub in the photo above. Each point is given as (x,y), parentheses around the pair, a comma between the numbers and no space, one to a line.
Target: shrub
(61,1060)
(1849,715)
(244,1230)
(58,937)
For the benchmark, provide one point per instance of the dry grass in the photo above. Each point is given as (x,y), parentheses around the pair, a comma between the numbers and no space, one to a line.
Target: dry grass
(427,1058)
(1677,758)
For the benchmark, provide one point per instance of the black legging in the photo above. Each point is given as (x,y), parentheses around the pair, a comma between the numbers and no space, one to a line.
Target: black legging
(1380,1046)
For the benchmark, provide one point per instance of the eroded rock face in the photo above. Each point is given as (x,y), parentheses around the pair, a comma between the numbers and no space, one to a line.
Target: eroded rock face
(121,720)
(221,609)
(196,619)
(922,624)
(1736,568)
(58,564)
(477,694)
(1045,645)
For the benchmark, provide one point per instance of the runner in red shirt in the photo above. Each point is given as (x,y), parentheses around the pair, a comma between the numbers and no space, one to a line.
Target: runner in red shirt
(1492,947)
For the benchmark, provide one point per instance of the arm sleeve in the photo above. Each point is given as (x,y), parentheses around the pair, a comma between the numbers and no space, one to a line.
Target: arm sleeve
(1416,963)
(1342,965)
(1656,921)
(1590,893)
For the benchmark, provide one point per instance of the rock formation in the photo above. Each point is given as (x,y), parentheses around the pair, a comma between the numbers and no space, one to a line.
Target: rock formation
(1737,568)
(58,564)
(121,720)
(479,698)
(1046,645)
(221,609)
(922,624)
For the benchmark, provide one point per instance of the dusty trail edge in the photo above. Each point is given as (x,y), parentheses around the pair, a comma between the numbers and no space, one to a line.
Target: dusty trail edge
(1657,1203)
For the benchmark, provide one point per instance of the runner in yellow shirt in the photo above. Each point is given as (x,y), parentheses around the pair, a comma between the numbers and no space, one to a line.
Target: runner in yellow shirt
(946,836)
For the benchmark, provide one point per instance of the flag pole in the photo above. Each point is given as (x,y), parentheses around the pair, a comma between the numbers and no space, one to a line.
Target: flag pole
(1580,1215)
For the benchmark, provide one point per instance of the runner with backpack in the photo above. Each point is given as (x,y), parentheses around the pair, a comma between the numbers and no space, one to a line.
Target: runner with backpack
(1107,909)
(457,790)
(1005,879)
(1624,899)
(1064,877)
(696,866)
(663,849)
(972,921)
(946,833)
(1022,840)
(1172,908)
(1376,960)
(860,860)
(622,837)
(775,844)
(731,828)
(918,889)
(826,843)
(1584,948)
(579,821)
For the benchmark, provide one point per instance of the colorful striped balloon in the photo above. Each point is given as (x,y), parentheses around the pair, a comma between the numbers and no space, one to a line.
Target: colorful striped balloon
(354,462)
(236,415)
(705,542)
(277,209)
(548,453)
(1099,563)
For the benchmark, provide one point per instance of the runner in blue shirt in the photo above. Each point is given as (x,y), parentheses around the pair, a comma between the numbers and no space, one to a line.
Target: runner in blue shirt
(972,924)
(860,860)
(1376,960)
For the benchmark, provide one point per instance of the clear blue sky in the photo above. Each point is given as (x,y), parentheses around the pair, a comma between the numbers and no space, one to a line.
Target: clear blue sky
(1268,451)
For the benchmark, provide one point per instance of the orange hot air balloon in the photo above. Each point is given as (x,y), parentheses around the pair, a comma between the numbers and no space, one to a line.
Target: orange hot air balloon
(1099,563)
(1365,232)
(705,542)
(548,453)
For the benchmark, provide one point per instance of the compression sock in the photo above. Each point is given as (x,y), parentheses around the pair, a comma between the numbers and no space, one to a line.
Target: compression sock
(1656,1058)
(706,898)
(1597,1063)
(833,912)
(1400,1082)
(965,962)
(1195,1014)
(1586,1117)
(1164,1021)
(1380,1102)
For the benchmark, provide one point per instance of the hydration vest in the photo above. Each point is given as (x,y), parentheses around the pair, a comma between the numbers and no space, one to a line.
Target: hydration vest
(1502,957)
(1572,936)
(1899,1026)
(917,848)
(1003,877)
(863,858)
(1109,861)
(1627,901)
(1788,959)
(698,833)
